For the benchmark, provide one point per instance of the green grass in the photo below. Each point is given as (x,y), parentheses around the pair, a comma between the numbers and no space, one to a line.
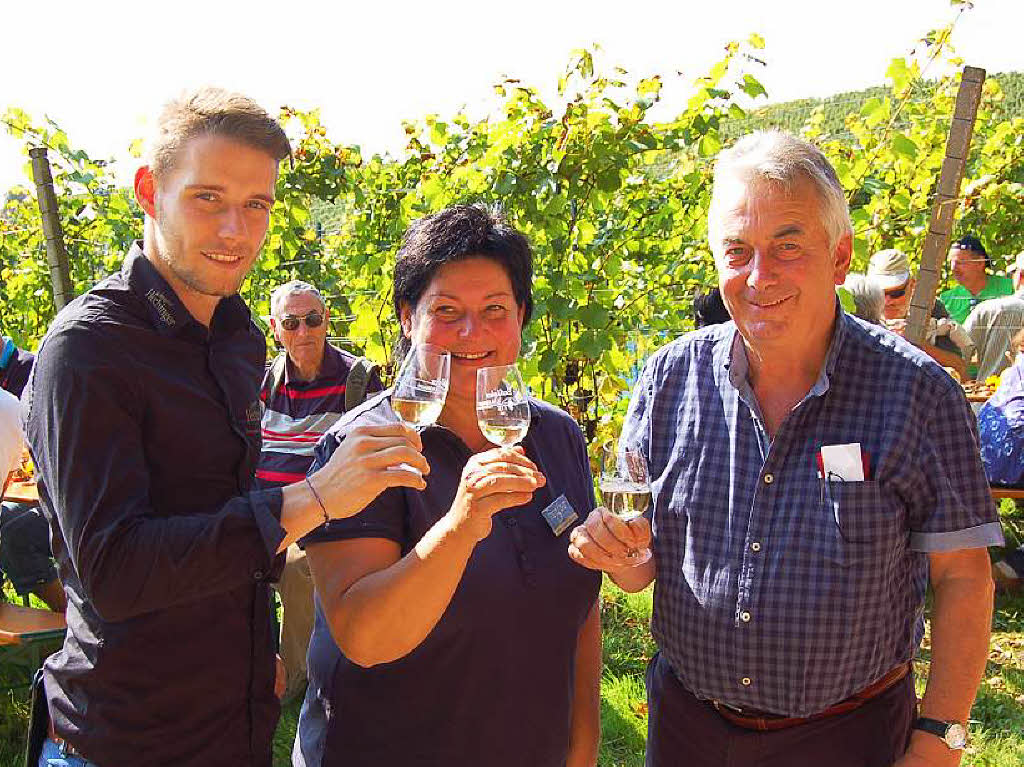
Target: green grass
(997,732)
(998,717)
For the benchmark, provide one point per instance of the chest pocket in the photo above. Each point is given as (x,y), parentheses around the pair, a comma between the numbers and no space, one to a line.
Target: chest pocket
(867,523)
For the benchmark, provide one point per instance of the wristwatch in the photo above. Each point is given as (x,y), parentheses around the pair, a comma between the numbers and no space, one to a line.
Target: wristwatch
(953,734)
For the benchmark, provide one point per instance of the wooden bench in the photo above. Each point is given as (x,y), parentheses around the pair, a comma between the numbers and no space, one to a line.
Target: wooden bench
(22,492)
(1006,492)
(25,633)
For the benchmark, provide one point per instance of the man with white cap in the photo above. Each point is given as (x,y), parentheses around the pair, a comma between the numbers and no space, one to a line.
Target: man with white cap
(946,342)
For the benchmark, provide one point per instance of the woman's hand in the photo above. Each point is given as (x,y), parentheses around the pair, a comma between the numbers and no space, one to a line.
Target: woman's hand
(491,481)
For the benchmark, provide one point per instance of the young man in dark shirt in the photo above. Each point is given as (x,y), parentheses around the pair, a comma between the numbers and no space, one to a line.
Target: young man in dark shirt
(143,420)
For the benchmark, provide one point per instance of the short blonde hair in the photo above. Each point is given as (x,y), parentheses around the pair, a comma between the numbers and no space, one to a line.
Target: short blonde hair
(213,112)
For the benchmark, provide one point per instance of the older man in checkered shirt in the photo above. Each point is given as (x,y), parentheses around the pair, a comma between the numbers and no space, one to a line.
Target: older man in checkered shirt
(811,475)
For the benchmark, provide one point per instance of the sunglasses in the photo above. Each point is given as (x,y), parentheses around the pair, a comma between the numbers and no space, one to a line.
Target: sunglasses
(896,292)
(313,319)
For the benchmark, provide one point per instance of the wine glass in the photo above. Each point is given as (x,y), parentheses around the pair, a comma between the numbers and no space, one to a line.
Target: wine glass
(502,405)
(626,488)
(421,387)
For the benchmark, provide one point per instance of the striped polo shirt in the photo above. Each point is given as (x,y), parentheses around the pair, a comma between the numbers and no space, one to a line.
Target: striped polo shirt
(298,413)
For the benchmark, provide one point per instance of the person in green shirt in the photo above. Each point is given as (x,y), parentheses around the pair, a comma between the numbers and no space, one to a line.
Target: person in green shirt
(970,268)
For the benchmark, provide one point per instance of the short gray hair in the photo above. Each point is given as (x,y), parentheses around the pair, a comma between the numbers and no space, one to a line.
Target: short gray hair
(282,292)
(783,159)
(868,297)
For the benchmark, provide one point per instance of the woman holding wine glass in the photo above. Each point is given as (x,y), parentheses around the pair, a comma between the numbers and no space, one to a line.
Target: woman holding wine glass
(452,627)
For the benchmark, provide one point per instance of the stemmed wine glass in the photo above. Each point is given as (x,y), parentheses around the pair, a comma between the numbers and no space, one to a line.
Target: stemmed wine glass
(626,488)
(502,405)
(421,386)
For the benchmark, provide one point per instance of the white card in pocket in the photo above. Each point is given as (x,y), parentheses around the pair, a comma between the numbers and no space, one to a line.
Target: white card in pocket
(843,462)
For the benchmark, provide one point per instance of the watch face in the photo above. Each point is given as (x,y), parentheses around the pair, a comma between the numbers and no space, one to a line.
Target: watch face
(956,736)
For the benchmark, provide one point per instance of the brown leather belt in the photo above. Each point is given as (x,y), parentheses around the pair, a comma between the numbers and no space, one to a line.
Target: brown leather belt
(765,721)
(66,747)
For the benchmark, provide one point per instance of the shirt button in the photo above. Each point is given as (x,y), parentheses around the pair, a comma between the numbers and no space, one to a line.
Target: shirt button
(755,546)
(745,617)
(768,479)
(745,681)
(258,575)
(511,521)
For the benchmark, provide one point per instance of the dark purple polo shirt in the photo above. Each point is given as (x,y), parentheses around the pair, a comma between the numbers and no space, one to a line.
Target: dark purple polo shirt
(493,682)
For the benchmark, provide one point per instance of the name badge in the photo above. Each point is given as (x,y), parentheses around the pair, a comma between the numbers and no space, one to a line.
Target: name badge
(559,515)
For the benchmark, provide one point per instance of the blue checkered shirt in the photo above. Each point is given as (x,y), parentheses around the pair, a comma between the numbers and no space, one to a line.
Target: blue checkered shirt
(777,590)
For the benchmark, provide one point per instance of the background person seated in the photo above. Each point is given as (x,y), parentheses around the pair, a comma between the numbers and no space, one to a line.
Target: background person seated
(868,298)
(25,557)
(945,341)
(709,309)
(12,441)
(971,269)
(15,365)
(1001,425)
(992,326)
(994,323)
(1001,433)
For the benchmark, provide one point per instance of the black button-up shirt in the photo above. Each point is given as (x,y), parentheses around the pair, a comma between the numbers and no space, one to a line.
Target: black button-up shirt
(144,429)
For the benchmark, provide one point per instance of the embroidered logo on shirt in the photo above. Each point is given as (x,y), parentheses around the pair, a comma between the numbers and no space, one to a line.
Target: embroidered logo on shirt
(253,416)
(162,304)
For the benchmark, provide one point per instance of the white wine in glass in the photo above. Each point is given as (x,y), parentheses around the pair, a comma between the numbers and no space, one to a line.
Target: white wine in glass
(626,500)
(421,386)
(417,412)
(626,489)
(502,405)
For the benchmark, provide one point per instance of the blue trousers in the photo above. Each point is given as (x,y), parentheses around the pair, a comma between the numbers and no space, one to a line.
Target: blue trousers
(53,756)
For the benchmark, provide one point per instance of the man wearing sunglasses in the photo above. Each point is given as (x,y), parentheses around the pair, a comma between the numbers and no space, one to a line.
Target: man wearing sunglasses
(305,391)
(945,341)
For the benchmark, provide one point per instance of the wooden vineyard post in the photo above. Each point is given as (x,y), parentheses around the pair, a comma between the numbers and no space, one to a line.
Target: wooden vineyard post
(936,242)
(56,254)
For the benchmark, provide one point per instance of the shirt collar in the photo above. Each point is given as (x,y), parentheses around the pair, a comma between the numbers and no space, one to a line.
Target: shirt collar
(737,364)
(330,365)
(166,311)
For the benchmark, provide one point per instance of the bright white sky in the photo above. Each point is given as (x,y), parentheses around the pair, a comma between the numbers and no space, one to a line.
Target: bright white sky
(102,69)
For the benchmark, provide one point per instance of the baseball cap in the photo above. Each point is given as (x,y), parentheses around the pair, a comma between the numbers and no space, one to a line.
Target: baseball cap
(973,244)
(890,268)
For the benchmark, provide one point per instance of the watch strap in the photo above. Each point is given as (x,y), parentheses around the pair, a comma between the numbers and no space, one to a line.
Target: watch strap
(936,727)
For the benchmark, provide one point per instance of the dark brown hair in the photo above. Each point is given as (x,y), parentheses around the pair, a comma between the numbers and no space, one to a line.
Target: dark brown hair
(455,234)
